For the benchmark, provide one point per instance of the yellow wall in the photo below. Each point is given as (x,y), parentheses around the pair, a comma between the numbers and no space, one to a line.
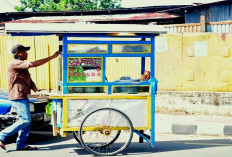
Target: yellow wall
(117,67)
(44,76)
(186,66)
(168,64)
(177,67)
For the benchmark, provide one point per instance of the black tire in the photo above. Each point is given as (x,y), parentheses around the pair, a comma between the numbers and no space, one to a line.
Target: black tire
(104,135)
(75,135)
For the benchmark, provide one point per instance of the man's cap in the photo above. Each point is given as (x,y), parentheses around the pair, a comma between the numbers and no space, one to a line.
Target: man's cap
(19,48)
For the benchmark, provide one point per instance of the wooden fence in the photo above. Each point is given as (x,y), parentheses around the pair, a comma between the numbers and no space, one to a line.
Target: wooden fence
(217,27)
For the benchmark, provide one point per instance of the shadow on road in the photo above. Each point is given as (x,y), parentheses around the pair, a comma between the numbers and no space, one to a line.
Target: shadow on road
(47,142)
(55,143)
(41,138)
(166,146)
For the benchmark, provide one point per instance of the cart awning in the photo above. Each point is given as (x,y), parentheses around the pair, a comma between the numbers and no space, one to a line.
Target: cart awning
(60,28)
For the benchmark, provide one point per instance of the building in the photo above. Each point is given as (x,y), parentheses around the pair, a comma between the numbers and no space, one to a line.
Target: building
(141,15)
(211,17)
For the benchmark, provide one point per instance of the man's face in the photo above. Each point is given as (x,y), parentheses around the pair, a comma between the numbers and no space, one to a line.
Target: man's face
(23,54)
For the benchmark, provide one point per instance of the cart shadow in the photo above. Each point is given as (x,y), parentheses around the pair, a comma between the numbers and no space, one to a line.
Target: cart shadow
(144,148)
(40,138)
(47,142)
(54,142)
(166,146)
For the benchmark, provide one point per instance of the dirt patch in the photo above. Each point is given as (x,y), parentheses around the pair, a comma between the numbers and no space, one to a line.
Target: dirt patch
(184,111)
(166,110)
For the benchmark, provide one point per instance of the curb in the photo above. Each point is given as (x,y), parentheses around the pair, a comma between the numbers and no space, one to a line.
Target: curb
(193,125)
(184,129)
(223,130)
(227,130)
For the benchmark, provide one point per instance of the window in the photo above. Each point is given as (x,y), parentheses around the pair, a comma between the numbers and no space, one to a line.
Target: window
(87,48)
(131,48)
(84,69)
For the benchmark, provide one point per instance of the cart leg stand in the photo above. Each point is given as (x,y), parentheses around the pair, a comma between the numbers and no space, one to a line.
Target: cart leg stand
(153,92)
(54,128)
(154,84)
(140,138)
(63,133)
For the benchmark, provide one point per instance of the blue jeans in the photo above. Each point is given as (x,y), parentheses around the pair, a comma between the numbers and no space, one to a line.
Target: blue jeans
(22,126)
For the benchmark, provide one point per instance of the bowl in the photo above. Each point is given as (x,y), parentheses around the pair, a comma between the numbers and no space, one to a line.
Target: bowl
(90,89)
(78,89)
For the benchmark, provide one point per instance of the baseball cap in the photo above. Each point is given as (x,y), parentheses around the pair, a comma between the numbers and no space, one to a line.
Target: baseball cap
(19,47)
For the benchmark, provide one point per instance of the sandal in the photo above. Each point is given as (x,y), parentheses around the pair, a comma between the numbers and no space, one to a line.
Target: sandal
(2,145)
(28,148)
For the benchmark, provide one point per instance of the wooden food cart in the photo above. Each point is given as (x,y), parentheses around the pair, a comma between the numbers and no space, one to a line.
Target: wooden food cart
(102,113)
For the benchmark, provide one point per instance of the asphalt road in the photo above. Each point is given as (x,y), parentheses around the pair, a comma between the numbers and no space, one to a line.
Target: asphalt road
(166,146)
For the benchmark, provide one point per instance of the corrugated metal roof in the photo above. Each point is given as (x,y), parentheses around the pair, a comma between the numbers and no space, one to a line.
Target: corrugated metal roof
(197,6)
(73,19)
(150,9)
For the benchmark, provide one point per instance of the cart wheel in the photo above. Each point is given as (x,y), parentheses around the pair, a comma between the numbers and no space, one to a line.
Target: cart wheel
(75,134)
(106,131)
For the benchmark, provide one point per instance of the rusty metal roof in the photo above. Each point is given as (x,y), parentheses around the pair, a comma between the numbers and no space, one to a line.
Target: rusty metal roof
(94,18)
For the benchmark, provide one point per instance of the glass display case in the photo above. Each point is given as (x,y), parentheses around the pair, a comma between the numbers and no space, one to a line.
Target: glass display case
(84,62)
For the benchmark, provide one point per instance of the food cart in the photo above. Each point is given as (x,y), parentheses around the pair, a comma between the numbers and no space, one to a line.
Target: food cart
(102,114)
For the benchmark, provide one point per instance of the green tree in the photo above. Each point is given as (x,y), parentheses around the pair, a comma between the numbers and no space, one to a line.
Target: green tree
(66,5)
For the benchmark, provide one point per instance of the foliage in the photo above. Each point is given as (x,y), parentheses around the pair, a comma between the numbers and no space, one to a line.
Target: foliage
(66,5)
(77,74)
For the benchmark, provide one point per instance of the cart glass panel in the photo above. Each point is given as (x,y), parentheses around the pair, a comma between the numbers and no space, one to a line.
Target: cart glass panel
(131,48)
(87,89)
(87,48)
(84,69)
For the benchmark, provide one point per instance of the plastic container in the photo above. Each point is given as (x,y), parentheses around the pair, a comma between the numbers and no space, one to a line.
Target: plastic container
(5,97)
(48,108)
(5,106)
(78,89)
(90,89)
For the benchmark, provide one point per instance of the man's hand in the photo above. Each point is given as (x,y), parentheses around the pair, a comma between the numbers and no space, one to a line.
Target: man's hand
(35,90)
(56,54)
(40,94)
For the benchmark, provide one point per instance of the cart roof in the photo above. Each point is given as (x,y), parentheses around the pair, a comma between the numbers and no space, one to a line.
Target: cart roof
(60,28)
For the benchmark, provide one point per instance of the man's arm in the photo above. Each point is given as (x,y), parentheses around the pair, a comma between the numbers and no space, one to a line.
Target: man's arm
(43,61)
(33,87)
